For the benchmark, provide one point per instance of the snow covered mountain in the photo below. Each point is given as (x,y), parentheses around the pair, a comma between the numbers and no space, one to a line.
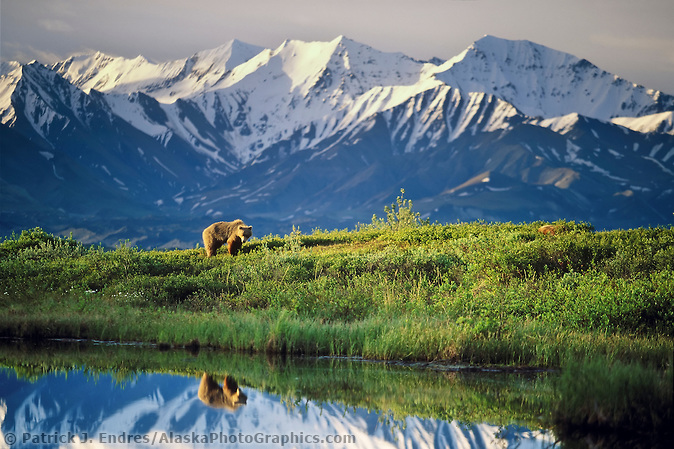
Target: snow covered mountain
(166,81)
(326,133)
(542,82)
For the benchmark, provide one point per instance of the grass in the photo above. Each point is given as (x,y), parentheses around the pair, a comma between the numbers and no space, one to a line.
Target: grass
(474,292)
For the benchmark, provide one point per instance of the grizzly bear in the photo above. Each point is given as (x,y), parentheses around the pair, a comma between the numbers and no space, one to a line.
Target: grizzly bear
(548,229)
(228,396)
(233,232)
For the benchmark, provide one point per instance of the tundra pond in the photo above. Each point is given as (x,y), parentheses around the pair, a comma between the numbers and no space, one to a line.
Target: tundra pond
(596,308)
(71,393)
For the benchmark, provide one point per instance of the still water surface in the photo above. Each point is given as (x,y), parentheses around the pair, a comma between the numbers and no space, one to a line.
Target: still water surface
(141,397)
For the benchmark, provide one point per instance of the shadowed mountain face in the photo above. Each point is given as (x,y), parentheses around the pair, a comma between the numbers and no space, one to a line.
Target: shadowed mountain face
(324,134)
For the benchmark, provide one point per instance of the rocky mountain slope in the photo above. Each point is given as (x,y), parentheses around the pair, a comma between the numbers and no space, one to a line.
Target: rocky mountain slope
(324,134)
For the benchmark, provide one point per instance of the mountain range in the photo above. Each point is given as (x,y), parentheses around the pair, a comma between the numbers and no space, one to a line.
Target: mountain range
(325,134)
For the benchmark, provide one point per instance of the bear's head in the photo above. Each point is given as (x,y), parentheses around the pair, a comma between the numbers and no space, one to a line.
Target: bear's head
(244,232)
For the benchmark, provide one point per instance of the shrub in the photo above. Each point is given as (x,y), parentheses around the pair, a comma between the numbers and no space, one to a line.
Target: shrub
(398,216)
(36,243)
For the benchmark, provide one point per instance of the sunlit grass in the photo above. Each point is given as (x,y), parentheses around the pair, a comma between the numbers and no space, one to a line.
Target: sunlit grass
(394,289)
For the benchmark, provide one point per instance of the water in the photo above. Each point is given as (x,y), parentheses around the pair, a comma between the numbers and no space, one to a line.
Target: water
(66,409)
(77,394)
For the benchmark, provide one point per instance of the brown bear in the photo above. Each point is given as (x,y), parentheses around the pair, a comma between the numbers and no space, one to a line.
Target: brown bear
(548,229)
(233,232)
(228,396)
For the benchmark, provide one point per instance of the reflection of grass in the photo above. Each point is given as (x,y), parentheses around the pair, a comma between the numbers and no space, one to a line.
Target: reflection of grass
(621,403)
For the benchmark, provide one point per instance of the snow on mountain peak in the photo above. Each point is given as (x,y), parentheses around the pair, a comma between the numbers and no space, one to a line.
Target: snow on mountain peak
(547,83)
(165,81)
(662,122)
(252,97)
(10,74)
(379,68)
(301,86)
(561,124)
(225,57)
(539,81)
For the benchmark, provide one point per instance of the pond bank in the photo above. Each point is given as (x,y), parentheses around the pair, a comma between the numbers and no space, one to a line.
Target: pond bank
(418,338)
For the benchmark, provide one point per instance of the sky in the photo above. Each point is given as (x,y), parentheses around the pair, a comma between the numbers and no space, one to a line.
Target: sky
(633,39)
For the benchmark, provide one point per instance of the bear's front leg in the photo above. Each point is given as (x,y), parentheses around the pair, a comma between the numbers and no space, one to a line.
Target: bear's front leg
(234,245)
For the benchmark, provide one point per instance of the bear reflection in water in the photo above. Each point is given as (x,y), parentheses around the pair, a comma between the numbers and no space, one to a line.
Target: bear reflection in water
(229,396)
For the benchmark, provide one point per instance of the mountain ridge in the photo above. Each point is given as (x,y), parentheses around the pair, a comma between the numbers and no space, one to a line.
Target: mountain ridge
(324,132)
(509,70)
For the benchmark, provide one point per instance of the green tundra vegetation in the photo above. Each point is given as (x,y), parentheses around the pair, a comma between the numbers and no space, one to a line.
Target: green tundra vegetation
(398,288)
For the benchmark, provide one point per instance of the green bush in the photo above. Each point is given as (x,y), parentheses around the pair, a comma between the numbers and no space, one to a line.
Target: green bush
(398,216)
(36,243)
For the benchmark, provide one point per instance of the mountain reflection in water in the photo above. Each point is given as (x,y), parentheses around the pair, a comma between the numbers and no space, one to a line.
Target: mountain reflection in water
(63,409)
